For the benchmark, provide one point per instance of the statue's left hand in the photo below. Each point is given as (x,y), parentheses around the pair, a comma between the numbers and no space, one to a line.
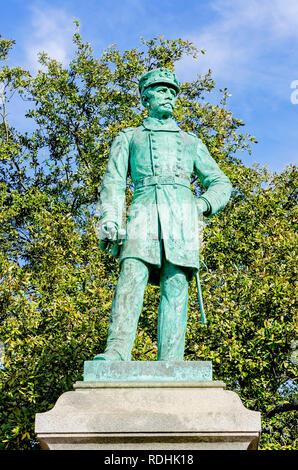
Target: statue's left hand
(201,206)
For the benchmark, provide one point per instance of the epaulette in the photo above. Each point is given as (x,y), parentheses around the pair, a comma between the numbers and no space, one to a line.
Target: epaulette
(191,133)
(128,129)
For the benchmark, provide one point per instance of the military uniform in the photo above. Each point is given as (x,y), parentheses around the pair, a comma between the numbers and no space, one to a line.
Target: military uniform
(162,240)
(161,158)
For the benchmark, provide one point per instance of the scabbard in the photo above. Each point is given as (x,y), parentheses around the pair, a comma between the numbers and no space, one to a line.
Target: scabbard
(199,290)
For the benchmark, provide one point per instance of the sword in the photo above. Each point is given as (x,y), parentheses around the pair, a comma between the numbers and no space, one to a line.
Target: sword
(203,317)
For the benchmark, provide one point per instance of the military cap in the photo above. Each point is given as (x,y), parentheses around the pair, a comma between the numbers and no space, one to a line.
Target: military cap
(160,75)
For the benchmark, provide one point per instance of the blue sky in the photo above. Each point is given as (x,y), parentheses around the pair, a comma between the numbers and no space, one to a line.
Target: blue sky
(251,47)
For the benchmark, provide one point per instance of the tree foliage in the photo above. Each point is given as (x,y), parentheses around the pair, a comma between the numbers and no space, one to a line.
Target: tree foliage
(57,286)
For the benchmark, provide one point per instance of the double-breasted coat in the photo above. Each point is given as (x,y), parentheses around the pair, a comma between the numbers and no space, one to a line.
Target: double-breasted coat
(160,158)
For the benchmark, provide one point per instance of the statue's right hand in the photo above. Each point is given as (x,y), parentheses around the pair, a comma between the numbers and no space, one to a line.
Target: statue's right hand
(109,231)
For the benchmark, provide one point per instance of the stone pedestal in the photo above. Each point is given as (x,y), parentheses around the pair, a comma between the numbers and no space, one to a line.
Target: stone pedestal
(174,411)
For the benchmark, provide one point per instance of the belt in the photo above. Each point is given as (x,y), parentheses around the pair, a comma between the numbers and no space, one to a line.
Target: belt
(181,180)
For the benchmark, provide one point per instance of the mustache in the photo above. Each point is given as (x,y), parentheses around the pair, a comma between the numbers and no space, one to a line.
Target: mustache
(167,102)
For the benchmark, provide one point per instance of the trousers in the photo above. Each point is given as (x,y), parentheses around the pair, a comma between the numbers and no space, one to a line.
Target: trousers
(128,303)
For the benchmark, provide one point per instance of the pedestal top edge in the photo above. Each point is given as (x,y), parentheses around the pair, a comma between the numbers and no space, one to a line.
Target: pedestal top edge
(149,364)
(83,385)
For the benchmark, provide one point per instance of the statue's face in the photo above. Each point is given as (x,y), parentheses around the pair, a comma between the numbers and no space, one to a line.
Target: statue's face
(161,100)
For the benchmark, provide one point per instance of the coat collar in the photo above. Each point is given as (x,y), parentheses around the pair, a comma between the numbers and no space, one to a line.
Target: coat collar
(154,124)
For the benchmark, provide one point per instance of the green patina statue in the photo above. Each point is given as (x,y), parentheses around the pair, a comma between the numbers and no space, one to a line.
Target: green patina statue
(161,240)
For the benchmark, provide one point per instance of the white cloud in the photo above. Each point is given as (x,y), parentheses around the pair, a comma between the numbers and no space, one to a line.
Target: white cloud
(244,37)
(51,32)
(280,17)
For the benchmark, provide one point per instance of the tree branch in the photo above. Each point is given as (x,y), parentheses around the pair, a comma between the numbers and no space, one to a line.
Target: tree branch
(282,408)
(6,127)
